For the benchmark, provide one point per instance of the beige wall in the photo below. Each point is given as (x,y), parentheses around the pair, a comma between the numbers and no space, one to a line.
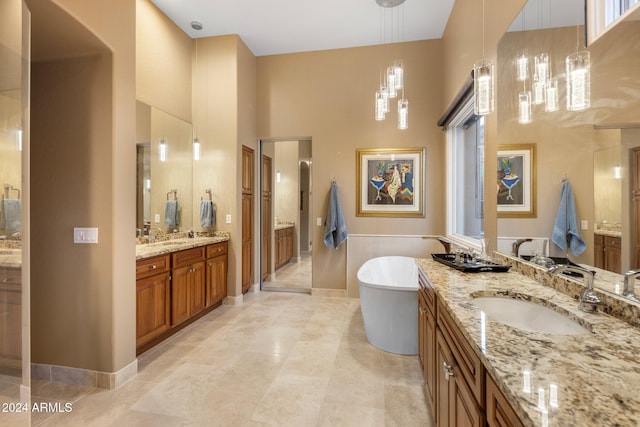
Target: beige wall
(163,62)
(83,168)
(328,95)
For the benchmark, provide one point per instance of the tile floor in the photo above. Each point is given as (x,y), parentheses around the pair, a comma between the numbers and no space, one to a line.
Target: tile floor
(280,359)
(295,276)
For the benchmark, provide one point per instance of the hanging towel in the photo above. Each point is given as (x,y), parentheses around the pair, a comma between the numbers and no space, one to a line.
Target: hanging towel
(565,229)
(11,218)
(171,213)
(207,214)
(335,230)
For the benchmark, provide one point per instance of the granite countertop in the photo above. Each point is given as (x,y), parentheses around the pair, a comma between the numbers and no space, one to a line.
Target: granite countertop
(596,374)
(608,233)
(283,225)
(10,258)
(168,246)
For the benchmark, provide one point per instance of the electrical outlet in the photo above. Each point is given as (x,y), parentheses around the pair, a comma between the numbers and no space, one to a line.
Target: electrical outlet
(319,222)
(584,224)
(157,218)
(228,219)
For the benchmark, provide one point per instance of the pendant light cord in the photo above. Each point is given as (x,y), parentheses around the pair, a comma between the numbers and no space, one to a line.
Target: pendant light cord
(483,29)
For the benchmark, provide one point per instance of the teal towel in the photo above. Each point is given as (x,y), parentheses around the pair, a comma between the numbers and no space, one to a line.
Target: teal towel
(566,233)
(11,218)
(335,230)
(207,214)
(171,213)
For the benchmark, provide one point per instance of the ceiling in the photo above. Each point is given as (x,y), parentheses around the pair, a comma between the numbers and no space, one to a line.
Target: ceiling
(287,26)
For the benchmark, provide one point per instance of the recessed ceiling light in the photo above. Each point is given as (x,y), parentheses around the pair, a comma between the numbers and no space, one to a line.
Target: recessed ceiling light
(197,25)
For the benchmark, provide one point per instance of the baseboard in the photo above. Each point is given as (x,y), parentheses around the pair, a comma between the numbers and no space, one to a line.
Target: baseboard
(231,300)
(323,292)
(84,377)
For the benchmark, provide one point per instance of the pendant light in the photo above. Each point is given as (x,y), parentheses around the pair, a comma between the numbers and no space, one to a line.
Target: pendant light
(524,107)
(522,66)
(483,81)
(392,80)
(578,68)
(541,76)
(551,98)
(197,25)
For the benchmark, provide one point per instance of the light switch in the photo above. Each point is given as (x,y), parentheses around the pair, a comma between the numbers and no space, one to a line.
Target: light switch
(584,224)
(319,222)
(157,218)
(228,218)
(85,235)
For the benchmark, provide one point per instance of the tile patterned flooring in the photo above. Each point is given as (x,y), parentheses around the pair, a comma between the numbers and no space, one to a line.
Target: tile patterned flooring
(280,359)
(295,276)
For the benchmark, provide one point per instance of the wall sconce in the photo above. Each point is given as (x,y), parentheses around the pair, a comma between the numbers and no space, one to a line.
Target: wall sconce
(148,183)
(617,172)
(277,176)
(19,139)
(163,150)
(196,149)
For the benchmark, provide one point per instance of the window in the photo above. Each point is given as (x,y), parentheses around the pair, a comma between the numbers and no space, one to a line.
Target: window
(465,177)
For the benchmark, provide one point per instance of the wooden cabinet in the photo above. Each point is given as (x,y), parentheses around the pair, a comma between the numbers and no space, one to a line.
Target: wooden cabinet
(283,246)
(153,311)
(427,335)
(216,273)
(499,412)
(247,170)
(608,253)
(11,317)
(459,389)
(187,284)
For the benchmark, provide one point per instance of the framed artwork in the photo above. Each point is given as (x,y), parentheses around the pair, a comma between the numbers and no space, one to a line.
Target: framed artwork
(390,182)
(516,181)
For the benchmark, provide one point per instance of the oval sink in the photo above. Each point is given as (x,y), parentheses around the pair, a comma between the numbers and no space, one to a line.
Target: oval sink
(528,315)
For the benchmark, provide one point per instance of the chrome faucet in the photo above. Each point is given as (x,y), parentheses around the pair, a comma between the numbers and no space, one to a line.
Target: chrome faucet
(629,284)
(588,300)
(515,246)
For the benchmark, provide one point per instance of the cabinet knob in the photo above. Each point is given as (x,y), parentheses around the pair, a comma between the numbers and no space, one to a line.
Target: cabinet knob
(209,264)
(153,267)
(219,249)
(448,373)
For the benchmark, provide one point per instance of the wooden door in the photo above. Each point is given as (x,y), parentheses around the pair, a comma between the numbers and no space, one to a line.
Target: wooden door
(247,218)
(267,223)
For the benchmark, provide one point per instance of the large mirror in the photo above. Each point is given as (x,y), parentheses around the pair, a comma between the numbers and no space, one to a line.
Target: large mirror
(592,148)
(164,172)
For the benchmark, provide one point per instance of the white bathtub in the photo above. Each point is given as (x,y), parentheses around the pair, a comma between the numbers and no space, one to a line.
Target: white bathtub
(388,300)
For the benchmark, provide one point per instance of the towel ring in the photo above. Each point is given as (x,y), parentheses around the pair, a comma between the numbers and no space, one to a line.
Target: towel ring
(208,191)
(175,194)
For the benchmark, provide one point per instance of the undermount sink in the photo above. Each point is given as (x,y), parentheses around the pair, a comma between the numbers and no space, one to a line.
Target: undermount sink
(527,315)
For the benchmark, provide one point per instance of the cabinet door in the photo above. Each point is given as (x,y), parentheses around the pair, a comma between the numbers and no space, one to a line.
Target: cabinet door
(422,332)
(499,411)
(613,254)
(152,307)
(247,241)
(267,225)
(11,313)
(430,356)
(247,170)
(196,288)
(216,278)
(180,295)
(444,371)
(598,252)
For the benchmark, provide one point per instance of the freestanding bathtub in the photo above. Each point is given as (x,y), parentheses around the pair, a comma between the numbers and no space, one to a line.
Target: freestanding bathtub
(388,300)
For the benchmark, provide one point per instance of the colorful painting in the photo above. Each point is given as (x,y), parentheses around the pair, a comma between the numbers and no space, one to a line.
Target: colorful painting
(516,186)
(390,182)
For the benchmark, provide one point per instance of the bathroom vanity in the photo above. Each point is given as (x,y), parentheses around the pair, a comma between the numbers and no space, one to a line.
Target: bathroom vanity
(177,282)
(283,244)
(479,371)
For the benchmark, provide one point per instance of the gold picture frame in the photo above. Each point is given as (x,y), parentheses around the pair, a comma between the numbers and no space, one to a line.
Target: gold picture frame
(516,181)
(390,182)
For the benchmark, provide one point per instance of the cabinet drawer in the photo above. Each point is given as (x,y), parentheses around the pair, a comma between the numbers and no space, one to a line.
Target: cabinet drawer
(187,257)
(216,250)
(612,242)
(470,365)
(427,291)
(150,266)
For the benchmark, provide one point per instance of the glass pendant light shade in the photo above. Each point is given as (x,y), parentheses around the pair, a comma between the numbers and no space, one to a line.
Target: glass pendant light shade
(542,69)
(391,82)
(196,149)
(551,99)
(398,71)
(403,114)
(379,106)
(524,107)
(539,92)
(162,148)
(483,87)
(522,66)
(578,81)
(385,96)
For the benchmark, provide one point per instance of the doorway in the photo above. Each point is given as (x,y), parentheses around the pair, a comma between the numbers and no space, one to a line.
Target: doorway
(285,212)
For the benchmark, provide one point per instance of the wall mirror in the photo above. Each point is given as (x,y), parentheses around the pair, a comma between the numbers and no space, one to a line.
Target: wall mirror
(163,173)
(591,148)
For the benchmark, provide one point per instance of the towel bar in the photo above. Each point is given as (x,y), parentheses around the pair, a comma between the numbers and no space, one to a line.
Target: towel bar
(175,194)
(208,191)
(7,188)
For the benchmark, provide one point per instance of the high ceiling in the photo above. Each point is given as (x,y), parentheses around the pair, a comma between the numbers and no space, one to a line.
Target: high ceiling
(271,27)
